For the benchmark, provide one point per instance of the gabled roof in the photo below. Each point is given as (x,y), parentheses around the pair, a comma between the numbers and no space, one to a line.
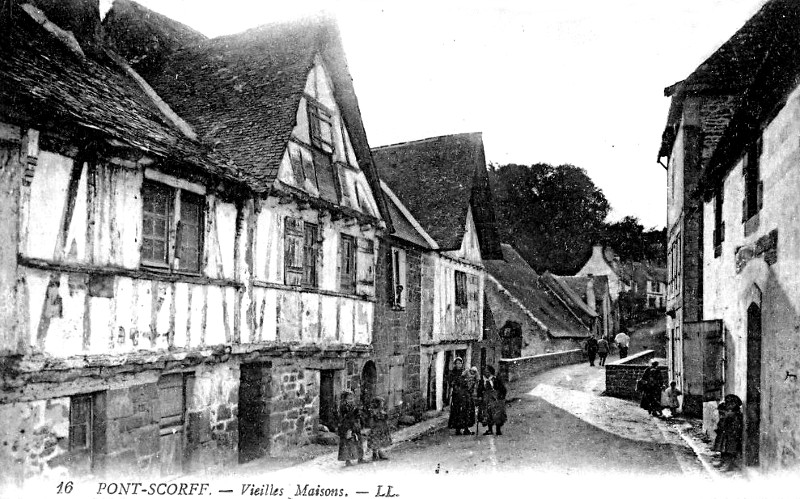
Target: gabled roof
(53,85)
(766,93)
(406,226)
(572,291)
(439,179)
(518,285)
(729,70)
(242,92)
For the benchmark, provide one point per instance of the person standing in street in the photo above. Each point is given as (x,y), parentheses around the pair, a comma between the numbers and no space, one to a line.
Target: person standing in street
(591,349)
(492,394)
(623,341)
(462,410)
(602,350)
(650,385)
(380,435)
(350,446)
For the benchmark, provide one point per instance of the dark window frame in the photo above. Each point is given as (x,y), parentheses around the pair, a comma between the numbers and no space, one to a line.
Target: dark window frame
(753,186)
(347,264)
(174,230)
(460,283)
(719,224)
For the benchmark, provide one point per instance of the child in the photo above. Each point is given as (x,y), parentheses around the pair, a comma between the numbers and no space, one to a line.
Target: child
(349,431)
(672,398)
(729,432)
(380,436)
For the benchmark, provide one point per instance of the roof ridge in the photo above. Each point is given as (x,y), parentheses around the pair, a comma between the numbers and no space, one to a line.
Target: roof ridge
(417,141)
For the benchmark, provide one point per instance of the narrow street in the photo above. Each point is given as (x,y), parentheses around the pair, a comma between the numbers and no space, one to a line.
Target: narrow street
(558,423)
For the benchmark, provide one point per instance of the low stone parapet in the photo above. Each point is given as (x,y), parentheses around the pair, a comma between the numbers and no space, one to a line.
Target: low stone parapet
(621,375)
(521,367)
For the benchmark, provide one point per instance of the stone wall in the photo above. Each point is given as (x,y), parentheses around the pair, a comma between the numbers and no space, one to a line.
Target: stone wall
(621,375)
(294,406)
(514,369)
(395,336)
(131,430)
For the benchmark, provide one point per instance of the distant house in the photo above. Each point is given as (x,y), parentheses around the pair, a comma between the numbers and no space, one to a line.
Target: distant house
(444,183)
(594,294)
(604,262)
(646,283)
(531,317)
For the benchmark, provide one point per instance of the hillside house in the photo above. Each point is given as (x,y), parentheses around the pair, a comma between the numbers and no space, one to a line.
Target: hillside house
(451,199)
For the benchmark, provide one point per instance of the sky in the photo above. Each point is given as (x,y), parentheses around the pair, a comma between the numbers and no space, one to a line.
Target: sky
(568,81)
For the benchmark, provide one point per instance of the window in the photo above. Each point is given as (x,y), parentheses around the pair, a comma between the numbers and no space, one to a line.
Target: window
(347,264)
(396,291)
(461,289)
(310,254)
(320,125)
(719,225)
(753,187)
(160,203)
(157,205)
(80,424)
(301,250)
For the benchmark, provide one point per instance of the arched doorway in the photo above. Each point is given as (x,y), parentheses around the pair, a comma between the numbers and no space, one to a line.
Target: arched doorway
(369,378)
(752,413)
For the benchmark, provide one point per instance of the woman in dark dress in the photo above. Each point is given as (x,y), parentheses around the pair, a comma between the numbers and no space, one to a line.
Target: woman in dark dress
(650,385)
(380,436)
(349,430)
(492,394)
(462,407)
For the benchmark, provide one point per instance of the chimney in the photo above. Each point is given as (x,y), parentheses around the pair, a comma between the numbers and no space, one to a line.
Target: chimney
(81,17)
(590,299)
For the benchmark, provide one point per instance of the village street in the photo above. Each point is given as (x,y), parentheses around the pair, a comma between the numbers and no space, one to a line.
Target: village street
(558,423)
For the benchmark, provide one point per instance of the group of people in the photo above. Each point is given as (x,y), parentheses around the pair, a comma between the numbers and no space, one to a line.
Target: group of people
(356,422)
(598,346)
(468,391)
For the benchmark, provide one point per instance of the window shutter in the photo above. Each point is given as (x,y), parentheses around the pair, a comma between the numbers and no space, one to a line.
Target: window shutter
(760,194)
(722,232)
(401,289)
(325,176)
(390,279)
(296,158)
(293,251)
(744,208)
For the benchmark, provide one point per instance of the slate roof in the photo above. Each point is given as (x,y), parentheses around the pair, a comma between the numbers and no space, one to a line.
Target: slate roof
(241,92)
(572,290)
(772,82)
(56,87)
(403,227)
(438,179)
(526,286)
(732,68)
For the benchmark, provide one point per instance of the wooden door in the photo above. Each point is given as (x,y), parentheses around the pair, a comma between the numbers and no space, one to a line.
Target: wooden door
(254,394)
(172,408)
(752,414)
(327,402)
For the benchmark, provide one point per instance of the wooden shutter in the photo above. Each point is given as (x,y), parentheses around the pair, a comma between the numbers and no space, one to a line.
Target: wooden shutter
(293,239)
(390,276)
(296,157)
(190,234)
(703,354)
(310,252)
(325,176)
(347,263)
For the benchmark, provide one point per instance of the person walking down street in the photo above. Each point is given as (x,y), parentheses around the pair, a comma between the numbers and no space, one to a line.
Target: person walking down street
(729,432)
(602,350)
(650,385)
(350,448)
(492,394)
(380,436)
(462,407)
(623,341)
(591,349)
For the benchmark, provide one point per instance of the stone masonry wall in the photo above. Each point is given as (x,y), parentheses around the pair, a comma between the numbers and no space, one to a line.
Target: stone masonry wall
(514,369)
(294,406)
(395,337)
(212,431)
(621,375)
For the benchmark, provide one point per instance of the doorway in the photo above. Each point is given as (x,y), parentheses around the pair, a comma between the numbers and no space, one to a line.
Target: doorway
(327,401)
(752,413)
(369,378)
(172,411)
(254,394)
